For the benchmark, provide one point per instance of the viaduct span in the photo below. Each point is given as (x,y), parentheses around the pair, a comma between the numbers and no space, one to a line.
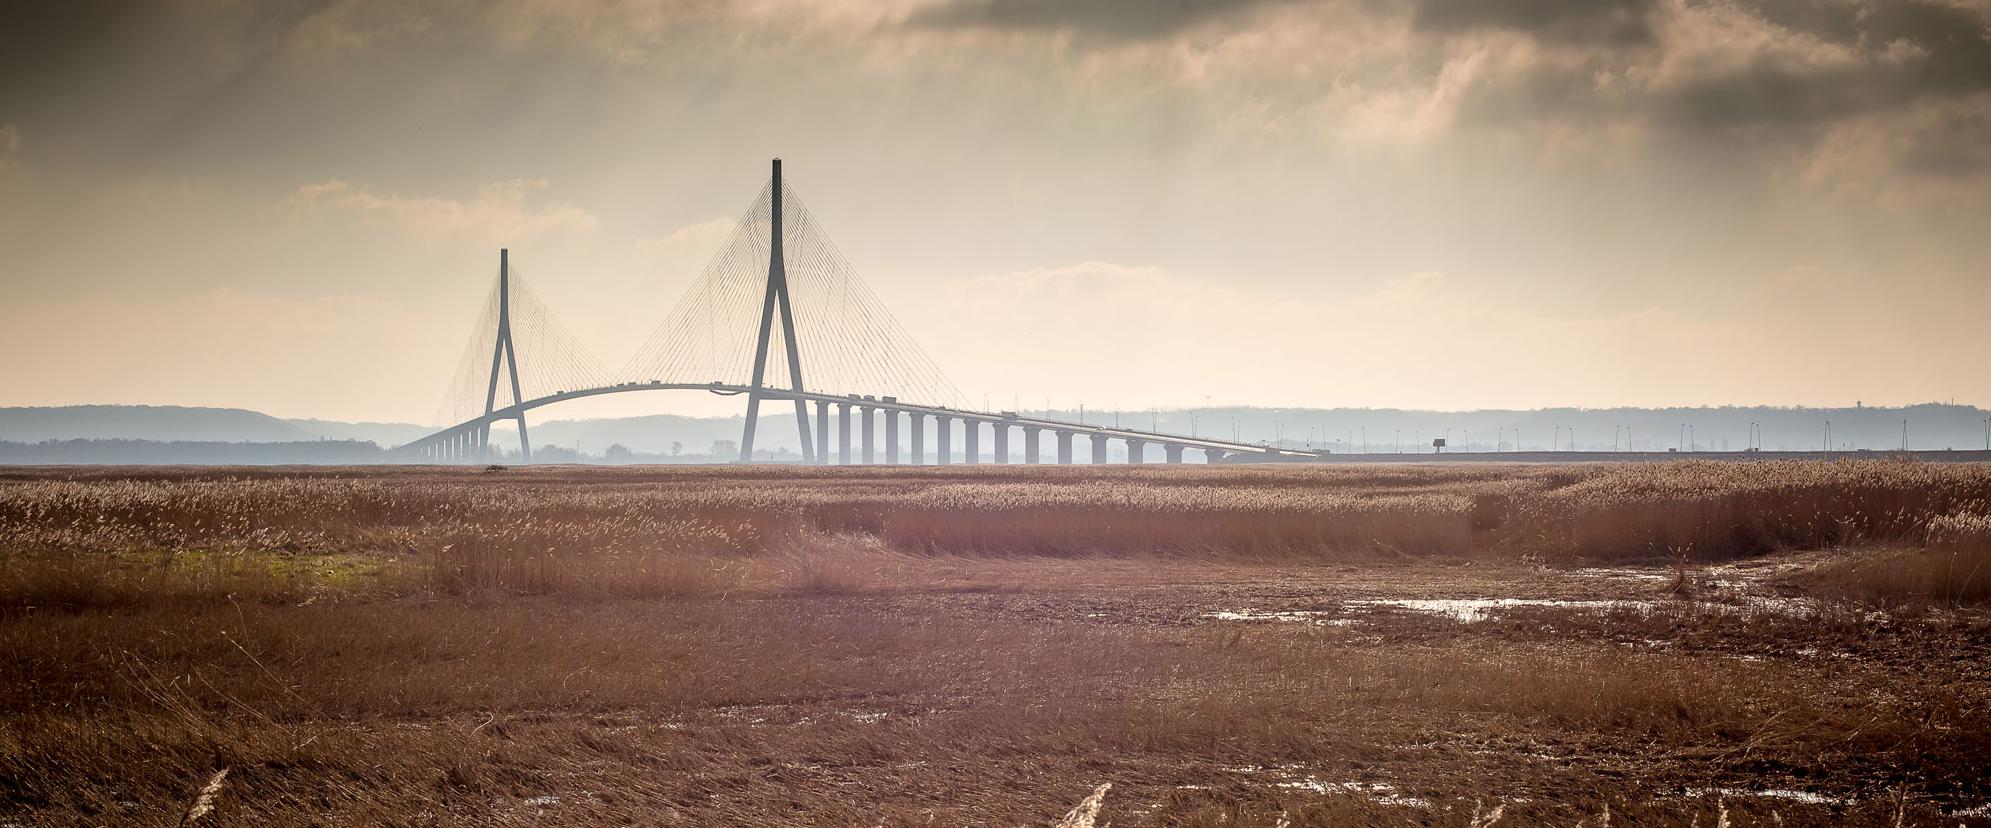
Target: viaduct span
(777,278)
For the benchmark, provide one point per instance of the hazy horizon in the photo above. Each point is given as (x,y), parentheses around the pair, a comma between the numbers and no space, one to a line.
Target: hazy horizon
(1425,204)
(1932,427)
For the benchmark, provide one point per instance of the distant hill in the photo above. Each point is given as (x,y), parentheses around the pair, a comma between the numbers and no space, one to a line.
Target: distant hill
(386,434)
(162,423)
(191,453)
(661,433)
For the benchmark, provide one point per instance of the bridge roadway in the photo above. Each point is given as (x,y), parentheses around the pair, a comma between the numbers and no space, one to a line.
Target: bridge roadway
(468,440)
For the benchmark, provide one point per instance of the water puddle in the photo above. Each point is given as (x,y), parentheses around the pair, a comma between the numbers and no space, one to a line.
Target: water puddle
(1381,793)
(1294,777)
(782,715)
(1316,617)
(1805,797)
(1641,575)
(1469,610)
(1474,610)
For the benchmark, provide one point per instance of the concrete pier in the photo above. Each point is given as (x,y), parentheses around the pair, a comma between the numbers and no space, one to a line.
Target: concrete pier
(864,435)
(843,433)
(1099,449)
(940,447)
(822,433)
(1030,445)
(1065,448)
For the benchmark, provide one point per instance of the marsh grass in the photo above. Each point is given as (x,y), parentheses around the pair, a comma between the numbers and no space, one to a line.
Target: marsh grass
(1713,511)
(951,646)
(98,539)
(1952,567)
(732,712)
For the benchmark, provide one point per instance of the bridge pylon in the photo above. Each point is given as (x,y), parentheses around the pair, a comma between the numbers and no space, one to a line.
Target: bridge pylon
(504,353)
(775,299)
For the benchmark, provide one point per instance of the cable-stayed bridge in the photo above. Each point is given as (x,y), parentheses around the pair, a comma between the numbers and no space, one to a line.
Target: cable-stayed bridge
(776,300)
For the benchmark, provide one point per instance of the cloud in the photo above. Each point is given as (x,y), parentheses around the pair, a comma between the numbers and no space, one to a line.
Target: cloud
(499,211)
(33,35)
(624,32)
(1929,152)
(1118,19)
(703,235)
(681,251)
(352,25)
(10,147)
(1770,81)
(1896,52)
(1609,22)
(1789,84)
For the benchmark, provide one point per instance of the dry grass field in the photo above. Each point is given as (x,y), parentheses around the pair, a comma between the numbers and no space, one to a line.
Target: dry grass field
(1775,643)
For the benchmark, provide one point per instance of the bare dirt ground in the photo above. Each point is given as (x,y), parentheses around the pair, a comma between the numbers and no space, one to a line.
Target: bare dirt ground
(942,689)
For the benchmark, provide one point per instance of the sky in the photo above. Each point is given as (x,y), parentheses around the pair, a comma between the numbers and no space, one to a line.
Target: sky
(296,207)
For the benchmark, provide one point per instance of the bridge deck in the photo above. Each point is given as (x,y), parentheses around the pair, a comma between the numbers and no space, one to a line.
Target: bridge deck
(518,410)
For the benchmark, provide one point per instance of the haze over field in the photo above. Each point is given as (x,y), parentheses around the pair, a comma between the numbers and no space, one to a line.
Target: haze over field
(1447,204)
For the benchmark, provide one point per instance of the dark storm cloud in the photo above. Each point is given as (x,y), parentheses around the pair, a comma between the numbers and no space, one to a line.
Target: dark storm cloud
(1954,146)
(1885,55)
(1609,22)
(36,36)
(1833,21)
(1948,54)
(1123,19)
(65,53)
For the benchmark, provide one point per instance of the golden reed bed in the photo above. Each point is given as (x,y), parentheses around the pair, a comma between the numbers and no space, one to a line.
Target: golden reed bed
(1230,646)
(688,530)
